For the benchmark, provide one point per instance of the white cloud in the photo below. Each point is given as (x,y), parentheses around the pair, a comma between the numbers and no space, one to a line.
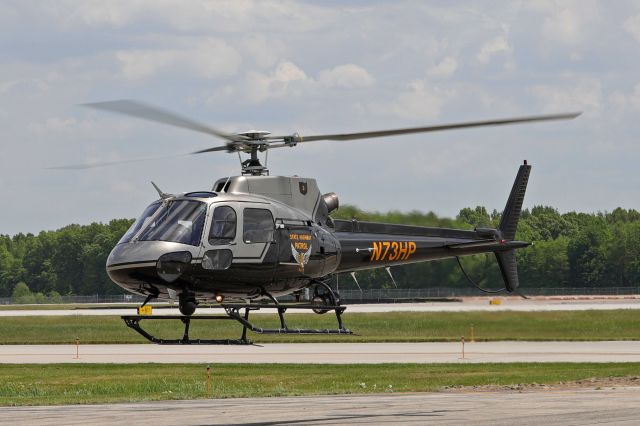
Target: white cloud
(278,83)
(90,13)
(347,76)
(243,15)
(632,26)
(626,101)
(138,64)
(493,47)
(287,79)
(418,101)
(439,162)
(208,16)
(265,51)
(210,58)
(78,129)
(55,125)
(586,94)
(563,25)
(445,68)
(570,22)
(23,84)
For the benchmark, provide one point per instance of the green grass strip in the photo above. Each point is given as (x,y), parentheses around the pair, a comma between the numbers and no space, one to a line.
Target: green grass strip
(69,306)
(370,327)
(106,383)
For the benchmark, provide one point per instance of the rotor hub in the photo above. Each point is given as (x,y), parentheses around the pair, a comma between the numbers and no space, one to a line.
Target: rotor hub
(255,135)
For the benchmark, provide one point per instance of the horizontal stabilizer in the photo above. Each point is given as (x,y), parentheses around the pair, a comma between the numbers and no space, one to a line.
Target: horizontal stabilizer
(491,245)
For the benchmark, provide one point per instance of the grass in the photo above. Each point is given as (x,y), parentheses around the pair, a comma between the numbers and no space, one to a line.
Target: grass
(370,327)
(107,383)
(68,306)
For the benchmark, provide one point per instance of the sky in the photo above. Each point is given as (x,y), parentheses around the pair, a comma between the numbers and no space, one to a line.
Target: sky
(318,67)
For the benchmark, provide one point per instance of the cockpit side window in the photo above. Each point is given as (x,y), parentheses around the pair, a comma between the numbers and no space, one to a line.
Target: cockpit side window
(142,221)
(258,226)
(223,226)
(178,221)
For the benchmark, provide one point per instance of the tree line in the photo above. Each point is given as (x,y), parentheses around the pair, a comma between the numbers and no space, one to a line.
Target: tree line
(569,250)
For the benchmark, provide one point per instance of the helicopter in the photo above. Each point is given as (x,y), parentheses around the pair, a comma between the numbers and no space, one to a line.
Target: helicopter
(255,237)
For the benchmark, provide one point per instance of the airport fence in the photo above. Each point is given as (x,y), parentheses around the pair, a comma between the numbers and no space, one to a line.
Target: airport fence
(380,295)
(387,295)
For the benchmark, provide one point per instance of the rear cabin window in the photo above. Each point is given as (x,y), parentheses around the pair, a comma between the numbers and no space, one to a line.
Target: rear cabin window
(223,226)
(258,226)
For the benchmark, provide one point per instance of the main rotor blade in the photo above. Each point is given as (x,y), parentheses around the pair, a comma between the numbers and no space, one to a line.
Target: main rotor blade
(437,128)
(215,148)
(152,113)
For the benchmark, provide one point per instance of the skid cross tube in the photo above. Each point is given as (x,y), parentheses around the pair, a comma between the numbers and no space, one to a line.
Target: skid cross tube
(233,312)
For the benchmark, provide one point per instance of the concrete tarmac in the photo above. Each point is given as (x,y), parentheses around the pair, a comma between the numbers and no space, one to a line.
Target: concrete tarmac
(331,353)
(619,406)
(467,305)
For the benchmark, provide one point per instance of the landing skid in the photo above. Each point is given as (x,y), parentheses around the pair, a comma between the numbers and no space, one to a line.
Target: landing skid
(233,313)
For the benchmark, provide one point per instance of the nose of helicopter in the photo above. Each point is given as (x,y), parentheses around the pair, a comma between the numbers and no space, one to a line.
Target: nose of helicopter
(145,252)
(133,264)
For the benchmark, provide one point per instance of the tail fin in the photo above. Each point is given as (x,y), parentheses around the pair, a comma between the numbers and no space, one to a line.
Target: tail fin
(508,225)
(512,210)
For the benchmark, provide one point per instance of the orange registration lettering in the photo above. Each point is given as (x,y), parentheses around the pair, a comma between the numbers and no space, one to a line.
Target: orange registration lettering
(386,245)
(412,249)
(377,251)
(392,250)
(404,249)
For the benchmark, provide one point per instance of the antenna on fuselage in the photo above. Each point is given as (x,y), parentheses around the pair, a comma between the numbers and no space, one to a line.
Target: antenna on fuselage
(353,275)
(163,195)
(388,269)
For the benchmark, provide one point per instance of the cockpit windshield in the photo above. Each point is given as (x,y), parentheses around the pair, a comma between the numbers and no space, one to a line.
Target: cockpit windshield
(180,221)
(142,221)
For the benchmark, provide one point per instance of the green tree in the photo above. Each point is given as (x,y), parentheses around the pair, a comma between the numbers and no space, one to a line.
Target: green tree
(54,297)
(475,217)
(22,294)
(544,264)
(587,252)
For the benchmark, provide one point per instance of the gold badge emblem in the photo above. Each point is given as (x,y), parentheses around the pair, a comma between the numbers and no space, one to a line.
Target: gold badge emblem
(301,249)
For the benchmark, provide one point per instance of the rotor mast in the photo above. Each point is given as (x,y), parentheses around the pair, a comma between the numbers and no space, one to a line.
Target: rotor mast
(253,166)
(254,141)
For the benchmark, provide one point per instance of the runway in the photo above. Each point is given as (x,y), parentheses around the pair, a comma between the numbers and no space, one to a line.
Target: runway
(329,353)
(467,305)
(565,407)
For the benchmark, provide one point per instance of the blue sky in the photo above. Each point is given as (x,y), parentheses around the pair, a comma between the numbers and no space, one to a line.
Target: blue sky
(319,67)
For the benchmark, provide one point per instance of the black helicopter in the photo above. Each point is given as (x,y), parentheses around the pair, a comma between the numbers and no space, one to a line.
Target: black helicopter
(255,237)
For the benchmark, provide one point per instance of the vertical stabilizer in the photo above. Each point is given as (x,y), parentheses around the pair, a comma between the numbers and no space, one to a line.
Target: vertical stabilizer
(509,224)
(512,210)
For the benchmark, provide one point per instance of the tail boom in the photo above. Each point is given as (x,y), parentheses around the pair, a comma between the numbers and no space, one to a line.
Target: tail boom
(369,245)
